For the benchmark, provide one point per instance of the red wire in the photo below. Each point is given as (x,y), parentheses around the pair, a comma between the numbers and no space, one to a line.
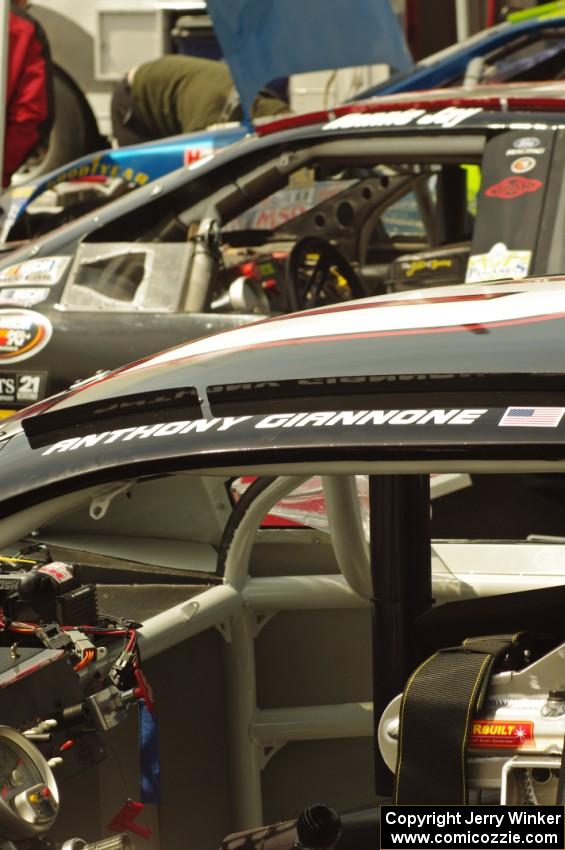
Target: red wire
(131,640)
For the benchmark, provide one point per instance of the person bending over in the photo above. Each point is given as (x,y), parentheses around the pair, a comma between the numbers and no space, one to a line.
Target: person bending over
(179,94)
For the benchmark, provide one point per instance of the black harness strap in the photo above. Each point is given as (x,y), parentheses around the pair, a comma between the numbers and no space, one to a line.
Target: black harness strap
(438,703)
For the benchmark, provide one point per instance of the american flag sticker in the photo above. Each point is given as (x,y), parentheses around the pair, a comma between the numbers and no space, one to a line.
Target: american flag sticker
(532,417)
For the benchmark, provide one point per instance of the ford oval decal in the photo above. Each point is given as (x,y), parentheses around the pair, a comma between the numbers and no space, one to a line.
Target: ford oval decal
(23,333)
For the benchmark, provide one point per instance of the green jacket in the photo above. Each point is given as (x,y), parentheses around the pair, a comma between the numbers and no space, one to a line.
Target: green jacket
(182,94)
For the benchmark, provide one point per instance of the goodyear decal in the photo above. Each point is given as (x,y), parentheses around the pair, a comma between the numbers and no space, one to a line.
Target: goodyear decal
(508,734)
(99,168)
(23,333)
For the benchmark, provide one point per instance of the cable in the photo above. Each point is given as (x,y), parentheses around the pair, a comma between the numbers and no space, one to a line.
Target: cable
(86,659)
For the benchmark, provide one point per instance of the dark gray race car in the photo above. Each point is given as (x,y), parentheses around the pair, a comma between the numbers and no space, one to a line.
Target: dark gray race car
(380,196)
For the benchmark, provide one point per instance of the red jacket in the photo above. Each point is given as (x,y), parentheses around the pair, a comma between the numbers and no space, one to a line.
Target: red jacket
(29,95)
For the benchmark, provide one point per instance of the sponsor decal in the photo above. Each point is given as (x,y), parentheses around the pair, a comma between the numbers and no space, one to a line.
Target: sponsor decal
(529,151)
(498,264)
(194,159)
(191,155)
(47,270)
(513,187)
(57,570)
(415,266)
(532,417)
(526,145)
(523,165)
(101,169)
(451,116)
(24,296)
(509,734)
(23,334)
(326,418)
(527,142)
(22,387)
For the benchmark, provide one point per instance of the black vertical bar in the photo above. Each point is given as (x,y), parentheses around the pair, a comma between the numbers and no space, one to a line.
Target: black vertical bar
(402,586)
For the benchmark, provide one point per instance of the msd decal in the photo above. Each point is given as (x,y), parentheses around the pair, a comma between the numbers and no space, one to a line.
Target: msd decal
(513,187)
(508,734)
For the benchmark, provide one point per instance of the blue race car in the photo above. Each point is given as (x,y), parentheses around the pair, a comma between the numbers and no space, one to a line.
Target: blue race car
(528,50)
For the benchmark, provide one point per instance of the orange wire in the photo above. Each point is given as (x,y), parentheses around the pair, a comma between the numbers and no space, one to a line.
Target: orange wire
(86,659)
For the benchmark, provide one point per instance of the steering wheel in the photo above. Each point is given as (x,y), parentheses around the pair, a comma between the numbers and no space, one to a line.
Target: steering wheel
(318,274)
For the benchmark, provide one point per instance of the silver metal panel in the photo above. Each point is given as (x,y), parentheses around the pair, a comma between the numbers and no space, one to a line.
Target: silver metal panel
(165,273)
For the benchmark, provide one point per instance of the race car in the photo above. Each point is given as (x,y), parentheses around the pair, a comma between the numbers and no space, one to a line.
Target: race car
(274,658)
(379,196)
(524,51)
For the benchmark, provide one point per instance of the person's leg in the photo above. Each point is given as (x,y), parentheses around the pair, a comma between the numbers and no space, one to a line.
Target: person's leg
(126,128)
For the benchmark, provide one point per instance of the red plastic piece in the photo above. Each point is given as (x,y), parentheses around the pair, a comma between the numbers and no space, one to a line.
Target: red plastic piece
(143,690)
(124,820)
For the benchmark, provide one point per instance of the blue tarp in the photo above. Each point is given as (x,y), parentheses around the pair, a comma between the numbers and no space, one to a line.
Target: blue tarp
(265,39)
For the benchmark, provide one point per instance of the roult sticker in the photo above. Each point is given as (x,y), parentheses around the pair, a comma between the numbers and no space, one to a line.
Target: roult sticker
(47,270)
(23,333)
(513,187)
(22,388)
(532,417)
(509,734)
(523,165)
(498,264)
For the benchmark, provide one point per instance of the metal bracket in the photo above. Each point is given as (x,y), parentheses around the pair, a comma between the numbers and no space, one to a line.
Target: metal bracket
(99,504)
(261,621)
(268,751)
(225,630)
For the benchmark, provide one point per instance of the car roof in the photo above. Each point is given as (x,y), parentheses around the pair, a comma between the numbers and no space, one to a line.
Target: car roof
(489,331)
(502,97)
(456,378)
